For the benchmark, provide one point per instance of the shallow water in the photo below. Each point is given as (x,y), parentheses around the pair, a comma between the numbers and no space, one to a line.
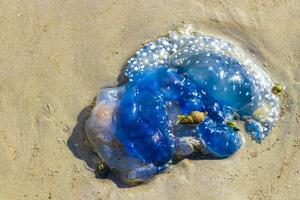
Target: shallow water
(56,55)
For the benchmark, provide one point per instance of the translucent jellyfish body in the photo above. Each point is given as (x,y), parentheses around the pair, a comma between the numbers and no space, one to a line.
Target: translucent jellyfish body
(134,128)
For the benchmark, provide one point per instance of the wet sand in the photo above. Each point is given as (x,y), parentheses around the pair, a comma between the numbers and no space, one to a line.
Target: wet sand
(56,55)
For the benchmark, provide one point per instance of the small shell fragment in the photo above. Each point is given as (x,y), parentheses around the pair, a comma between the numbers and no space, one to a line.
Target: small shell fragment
(277,88)
(233,125)
(195,117)
(102,169)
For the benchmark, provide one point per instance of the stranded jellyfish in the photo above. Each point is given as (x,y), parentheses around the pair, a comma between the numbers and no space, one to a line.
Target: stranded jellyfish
(183,95)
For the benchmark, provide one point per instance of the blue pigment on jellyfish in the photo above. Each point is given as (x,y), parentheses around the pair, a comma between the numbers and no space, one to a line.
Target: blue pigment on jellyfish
(176,75)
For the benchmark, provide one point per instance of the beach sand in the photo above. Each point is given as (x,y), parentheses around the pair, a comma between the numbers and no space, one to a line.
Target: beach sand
(56,55)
